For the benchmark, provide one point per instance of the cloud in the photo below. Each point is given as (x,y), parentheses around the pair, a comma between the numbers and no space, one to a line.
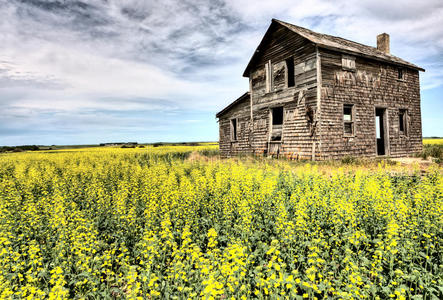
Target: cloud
(94,64)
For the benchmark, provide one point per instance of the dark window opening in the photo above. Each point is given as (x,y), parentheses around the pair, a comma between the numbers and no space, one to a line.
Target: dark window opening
(233,129)
(348,119)
(277,116)
(347,112)
(290,69)
(348,128)
(381,135)
(402,120)
(400,73)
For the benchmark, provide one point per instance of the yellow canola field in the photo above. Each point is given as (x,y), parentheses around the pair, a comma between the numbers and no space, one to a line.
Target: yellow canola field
(153,223)
(437,141)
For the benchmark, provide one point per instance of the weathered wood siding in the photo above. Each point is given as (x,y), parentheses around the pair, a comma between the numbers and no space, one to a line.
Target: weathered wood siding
(228,148)
(297,131)
(372,84)
(313,124)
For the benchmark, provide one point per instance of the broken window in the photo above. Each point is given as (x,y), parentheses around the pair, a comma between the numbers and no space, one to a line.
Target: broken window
(348,119)
(400,74)
(348,62)
(269,76)
(233,129)
(277,123)
(277,116)
(290,78)
(402,115)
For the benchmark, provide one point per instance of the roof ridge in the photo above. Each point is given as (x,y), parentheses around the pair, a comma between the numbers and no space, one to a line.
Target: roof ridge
(330,35)
(336,39)
(339,37)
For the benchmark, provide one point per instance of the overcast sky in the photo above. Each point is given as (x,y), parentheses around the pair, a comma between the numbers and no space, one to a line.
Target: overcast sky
(78,72)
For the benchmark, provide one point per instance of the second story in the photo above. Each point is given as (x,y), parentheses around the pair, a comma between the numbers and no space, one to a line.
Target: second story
(291,61)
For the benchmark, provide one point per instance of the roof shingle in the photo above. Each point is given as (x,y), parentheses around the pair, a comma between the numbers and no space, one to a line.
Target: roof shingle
(243,97)
(344,45)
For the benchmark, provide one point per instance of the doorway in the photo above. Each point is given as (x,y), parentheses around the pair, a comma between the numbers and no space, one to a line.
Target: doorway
(381,131)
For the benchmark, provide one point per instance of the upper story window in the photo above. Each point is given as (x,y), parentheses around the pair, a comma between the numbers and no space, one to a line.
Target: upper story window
(290,76)
(269,77)
(348,119)
(348,62)
(233,130)
(400,74)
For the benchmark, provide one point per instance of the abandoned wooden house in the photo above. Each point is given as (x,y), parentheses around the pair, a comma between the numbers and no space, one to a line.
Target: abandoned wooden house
(316,96)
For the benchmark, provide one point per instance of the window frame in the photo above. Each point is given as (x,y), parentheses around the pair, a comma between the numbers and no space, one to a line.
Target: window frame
(403,120)
(234,129)
(352,121)
(276,128)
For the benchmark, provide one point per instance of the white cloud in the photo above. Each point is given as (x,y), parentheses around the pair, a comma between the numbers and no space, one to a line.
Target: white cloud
(59,59)
(416,28)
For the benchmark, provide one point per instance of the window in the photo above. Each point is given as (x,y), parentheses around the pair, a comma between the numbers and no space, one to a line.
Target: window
(277,123)
(402,123)
(277,116)
(290,79)
(400,74)
(348,119)
(233,129)
(269,77)
(348,62)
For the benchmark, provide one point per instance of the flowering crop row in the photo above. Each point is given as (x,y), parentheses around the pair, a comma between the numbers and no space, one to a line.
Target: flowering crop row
(122,223)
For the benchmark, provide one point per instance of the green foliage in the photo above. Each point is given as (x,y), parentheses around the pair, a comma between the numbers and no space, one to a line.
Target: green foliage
(432,150)
(349,160)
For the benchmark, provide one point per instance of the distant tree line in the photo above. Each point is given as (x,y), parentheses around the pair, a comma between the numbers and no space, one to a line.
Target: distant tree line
(175,144)
(19,148)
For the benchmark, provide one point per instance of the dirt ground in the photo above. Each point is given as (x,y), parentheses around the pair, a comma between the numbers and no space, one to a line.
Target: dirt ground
(413,160)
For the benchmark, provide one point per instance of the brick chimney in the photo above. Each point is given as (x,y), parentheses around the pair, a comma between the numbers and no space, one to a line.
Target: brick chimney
(383,42)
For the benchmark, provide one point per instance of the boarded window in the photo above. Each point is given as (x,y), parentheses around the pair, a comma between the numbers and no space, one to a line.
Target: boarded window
(348,62)
(233,129)
(290,78)
(269,77)
(402,121)
(348,119)
(400,74)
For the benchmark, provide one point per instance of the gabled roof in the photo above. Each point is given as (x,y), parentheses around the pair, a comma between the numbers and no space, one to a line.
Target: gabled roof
(242,98)
(337,44)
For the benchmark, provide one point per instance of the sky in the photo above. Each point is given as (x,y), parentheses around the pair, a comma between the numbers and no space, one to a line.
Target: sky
(88,72)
